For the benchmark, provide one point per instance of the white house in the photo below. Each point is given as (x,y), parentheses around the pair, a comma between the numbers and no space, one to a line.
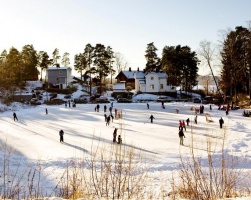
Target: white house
(60,76)
(152,82)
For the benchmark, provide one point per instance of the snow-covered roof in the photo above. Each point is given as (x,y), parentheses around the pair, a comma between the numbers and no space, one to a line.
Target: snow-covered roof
(139,75)
(159,74)
(58,68)
(129,74)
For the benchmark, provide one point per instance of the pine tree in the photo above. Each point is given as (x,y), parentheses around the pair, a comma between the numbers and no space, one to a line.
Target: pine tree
(153,62)
(180,65)
(55,57)
(236,60)
(29,60)
(65,59)
(44,61)
(80,63)
(89,54)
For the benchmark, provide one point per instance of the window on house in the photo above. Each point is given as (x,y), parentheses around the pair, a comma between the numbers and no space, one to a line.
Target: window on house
(152,87)
(152,77)
(161,86)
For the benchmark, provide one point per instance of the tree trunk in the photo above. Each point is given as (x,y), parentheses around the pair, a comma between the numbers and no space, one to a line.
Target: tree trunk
(218,90)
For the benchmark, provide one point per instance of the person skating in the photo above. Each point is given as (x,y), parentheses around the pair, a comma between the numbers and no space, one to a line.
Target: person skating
(115,135)
(98,106)
(119,140)
(151,117)
(61,134)
(105,117)
(188,120)
(221,121)
(184,125)
(46,111)
(195,119)
(227,109)
(110,109)
(210,107)
(105,108)
(147,106)
(15,116)
(115,111)
(108,119)
(180,125)
(181,136)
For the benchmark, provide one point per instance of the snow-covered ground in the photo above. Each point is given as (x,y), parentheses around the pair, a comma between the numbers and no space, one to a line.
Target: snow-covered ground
(35,135)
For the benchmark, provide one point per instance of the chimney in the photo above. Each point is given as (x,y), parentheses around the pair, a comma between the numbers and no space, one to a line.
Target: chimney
(138,69)
(130,69)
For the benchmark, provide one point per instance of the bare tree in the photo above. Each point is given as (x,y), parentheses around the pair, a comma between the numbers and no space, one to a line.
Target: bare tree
(120,61)
(207,54)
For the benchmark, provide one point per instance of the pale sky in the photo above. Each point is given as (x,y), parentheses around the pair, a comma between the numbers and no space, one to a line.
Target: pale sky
(125,25)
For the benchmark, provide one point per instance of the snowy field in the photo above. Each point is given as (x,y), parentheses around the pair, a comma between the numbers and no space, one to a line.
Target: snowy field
(35,135)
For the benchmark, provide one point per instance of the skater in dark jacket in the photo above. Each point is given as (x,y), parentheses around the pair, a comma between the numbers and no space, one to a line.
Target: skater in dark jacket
(221,121)
(181,136)
(115,110)
(105,108)
(151,117)
(195,119)
(98,107)
(15,116)
(115,135)
(110,109)
(188,120)
(61,134)
(119,140)
(108,119)
(147,106)
(46,111)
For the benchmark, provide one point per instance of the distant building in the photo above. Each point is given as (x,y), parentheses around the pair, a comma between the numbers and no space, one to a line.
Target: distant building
(127,77)
(146,82)
(152,82)
(207,83)
(59,76)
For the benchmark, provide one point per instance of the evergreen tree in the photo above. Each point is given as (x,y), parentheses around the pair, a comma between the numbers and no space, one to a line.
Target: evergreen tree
(236,60)
(44,61)
(153,62)
(3,74)
(80,64)
(65,59)
(13,69)
(29,59)
(55,57)
(180,65)
(89,54)
(109,58)
(101,63)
